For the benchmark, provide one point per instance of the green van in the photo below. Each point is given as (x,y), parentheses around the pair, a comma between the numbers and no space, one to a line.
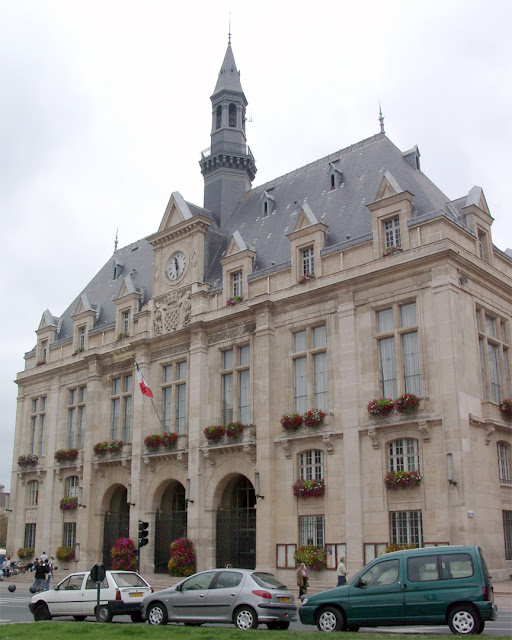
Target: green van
(431,586)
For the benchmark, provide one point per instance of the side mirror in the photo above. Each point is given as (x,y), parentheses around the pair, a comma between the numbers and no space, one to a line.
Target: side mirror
(360,583)
(179,587)
(57,588)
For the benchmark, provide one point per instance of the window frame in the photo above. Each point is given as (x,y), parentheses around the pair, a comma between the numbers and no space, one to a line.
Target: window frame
(174,396)
(237,284)
(29,537)
(315,388)
(493,338)
(77,397)
(307,261)
(403,454)
(121,404)
(33,493)
(503,450)
(37,425)
(237,371)
(401,522)
(314,524)
(391,232)
(69,534)
(314,468)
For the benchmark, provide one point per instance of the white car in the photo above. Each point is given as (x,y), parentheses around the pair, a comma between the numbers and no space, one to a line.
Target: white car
(121,593)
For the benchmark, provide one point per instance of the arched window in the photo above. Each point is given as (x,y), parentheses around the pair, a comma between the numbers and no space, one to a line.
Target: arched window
(33,493)
(218,121)
(232,115)
(403,455)
(72,487)
(503,461)
(312,465)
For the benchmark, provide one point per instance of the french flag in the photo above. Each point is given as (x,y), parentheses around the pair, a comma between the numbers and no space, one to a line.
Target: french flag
(146,391)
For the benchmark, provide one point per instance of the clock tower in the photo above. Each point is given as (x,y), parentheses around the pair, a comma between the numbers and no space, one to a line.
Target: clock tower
(228,166)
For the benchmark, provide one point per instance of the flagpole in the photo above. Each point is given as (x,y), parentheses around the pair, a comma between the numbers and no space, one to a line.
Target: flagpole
(141,382)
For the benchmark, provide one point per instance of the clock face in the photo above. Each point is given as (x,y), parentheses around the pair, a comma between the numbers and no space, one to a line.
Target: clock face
(176,265)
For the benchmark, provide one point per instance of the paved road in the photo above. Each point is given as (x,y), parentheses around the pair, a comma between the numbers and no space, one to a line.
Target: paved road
(14,608)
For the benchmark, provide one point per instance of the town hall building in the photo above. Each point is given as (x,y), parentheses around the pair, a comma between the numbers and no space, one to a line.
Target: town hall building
(265,322)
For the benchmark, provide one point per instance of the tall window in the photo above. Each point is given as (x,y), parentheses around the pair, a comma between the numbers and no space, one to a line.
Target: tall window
(503,461)
(399,356)
(81,338)
(76,417)
(43,351)
(312,465)
(232,115)
(121,400)
(71,487)
(235,380)
(312,530)
(33,493)
(30,535)
(482,245)
(310,369)
(392,233)
(125,322)
(174,397)
(37,425)
(69,534)
(403,455)
(507,531)
(494,356)
(307,260)
(218,117)
(236,282)
(406,527)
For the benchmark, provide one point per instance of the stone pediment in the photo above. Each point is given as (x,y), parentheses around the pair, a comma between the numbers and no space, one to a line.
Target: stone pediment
(306,218)
(176,212)
(388,187)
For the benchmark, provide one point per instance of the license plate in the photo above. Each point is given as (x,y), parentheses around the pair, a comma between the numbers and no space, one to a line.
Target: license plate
(136,595)
(284,599)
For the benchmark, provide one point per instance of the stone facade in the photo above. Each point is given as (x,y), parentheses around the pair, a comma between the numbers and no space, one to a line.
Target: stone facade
(226,326)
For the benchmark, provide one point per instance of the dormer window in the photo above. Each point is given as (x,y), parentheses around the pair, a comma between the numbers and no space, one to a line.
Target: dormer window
(232,115)
(236,284)
(43,351)
(307,261)
(81,338)
(335,176)
(333,182)
(268,203)
(392,233)
(125,322)
(218,121)
(482,245)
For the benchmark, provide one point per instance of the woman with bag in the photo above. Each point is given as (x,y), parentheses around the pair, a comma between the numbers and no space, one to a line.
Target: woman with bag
(302,580)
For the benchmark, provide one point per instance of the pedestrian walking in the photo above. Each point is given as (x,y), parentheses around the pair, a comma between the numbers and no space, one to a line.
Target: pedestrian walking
(50,575)
(302,580)
(341,572)
(40,576)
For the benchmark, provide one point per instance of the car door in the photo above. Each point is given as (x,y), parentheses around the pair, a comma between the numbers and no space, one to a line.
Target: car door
(377,596)
(223,594)
(66,598)
(188,602)
(90,595)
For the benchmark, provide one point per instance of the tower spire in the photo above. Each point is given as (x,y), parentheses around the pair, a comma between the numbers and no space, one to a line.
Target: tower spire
(229,32)
(381,119)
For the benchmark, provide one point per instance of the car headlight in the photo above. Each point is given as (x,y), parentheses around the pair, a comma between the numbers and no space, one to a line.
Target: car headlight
(304,600)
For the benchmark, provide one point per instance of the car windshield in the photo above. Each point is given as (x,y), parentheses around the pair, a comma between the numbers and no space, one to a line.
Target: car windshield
(267,580)
(129,580)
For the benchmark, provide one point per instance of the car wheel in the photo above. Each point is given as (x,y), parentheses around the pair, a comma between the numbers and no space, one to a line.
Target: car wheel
(137,617)
(278,626)
(42,613)
(157,614)
(246,618)
(80,618)
(330,619)
(104,614)
(464,619)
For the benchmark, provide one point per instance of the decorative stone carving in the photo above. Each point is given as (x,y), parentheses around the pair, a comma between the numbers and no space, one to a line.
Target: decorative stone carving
(175,350)
(232,333)
(424,431)
(374,437)
(490,430)
(172,313)
(328,442)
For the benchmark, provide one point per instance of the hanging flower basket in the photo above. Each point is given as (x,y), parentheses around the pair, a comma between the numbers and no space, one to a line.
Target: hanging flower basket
(28,461)
(380,407)
(306,278)
(234,430)
(402,479)
(65,554)
(313,418)
(234,300)
(407,403)
(154,441)
(169,440)
(69,504)
(292,421)
(506,406)
(313,557)
(309,488)
(102,448)
(66,455)
(214,433)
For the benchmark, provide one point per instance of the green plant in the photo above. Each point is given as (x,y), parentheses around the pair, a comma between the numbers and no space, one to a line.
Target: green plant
(506,406)
(169,440)
(124,555)
(214,432)
(292,421)
(306,278)
(234,430)
(309,488)
(101,448)
(25,552)
(407,403)
(313,557)
(63,455)
(68,504)
(154,441)
(28,461)
(399,547)
(389,251)
(380,407)
(234,300)
(64,554)
(402,479)
(183,558)
(313,418)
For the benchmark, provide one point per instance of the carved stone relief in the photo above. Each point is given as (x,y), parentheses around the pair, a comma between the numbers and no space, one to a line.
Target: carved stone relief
(172,312)
(231,334)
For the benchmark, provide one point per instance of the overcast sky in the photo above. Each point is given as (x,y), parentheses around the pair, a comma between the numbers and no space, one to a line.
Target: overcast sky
(106,106)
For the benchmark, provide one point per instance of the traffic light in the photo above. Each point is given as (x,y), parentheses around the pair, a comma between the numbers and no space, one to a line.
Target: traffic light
(143,533)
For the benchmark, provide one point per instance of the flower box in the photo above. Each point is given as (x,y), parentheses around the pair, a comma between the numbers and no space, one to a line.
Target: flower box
(306,278)
(389,251)
(234,430)
(25,552)
(309,488)
(292,421)
(68,504)
(234,300)
(154,441)
(407,403)
(315,558)
(102,448)
(28,461)
(402,479)
(380,407)
(506,407)
(313,418)
(66,455)
(169,440)
(214,433)
(65,554)
(79,350)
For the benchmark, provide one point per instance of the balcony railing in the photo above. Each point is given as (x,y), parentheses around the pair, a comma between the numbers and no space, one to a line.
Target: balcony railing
(227,148)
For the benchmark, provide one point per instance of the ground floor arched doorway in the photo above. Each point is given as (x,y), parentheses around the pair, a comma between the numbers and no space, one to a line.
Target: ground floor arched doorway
(117,523)
(170,524)
(236,525)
